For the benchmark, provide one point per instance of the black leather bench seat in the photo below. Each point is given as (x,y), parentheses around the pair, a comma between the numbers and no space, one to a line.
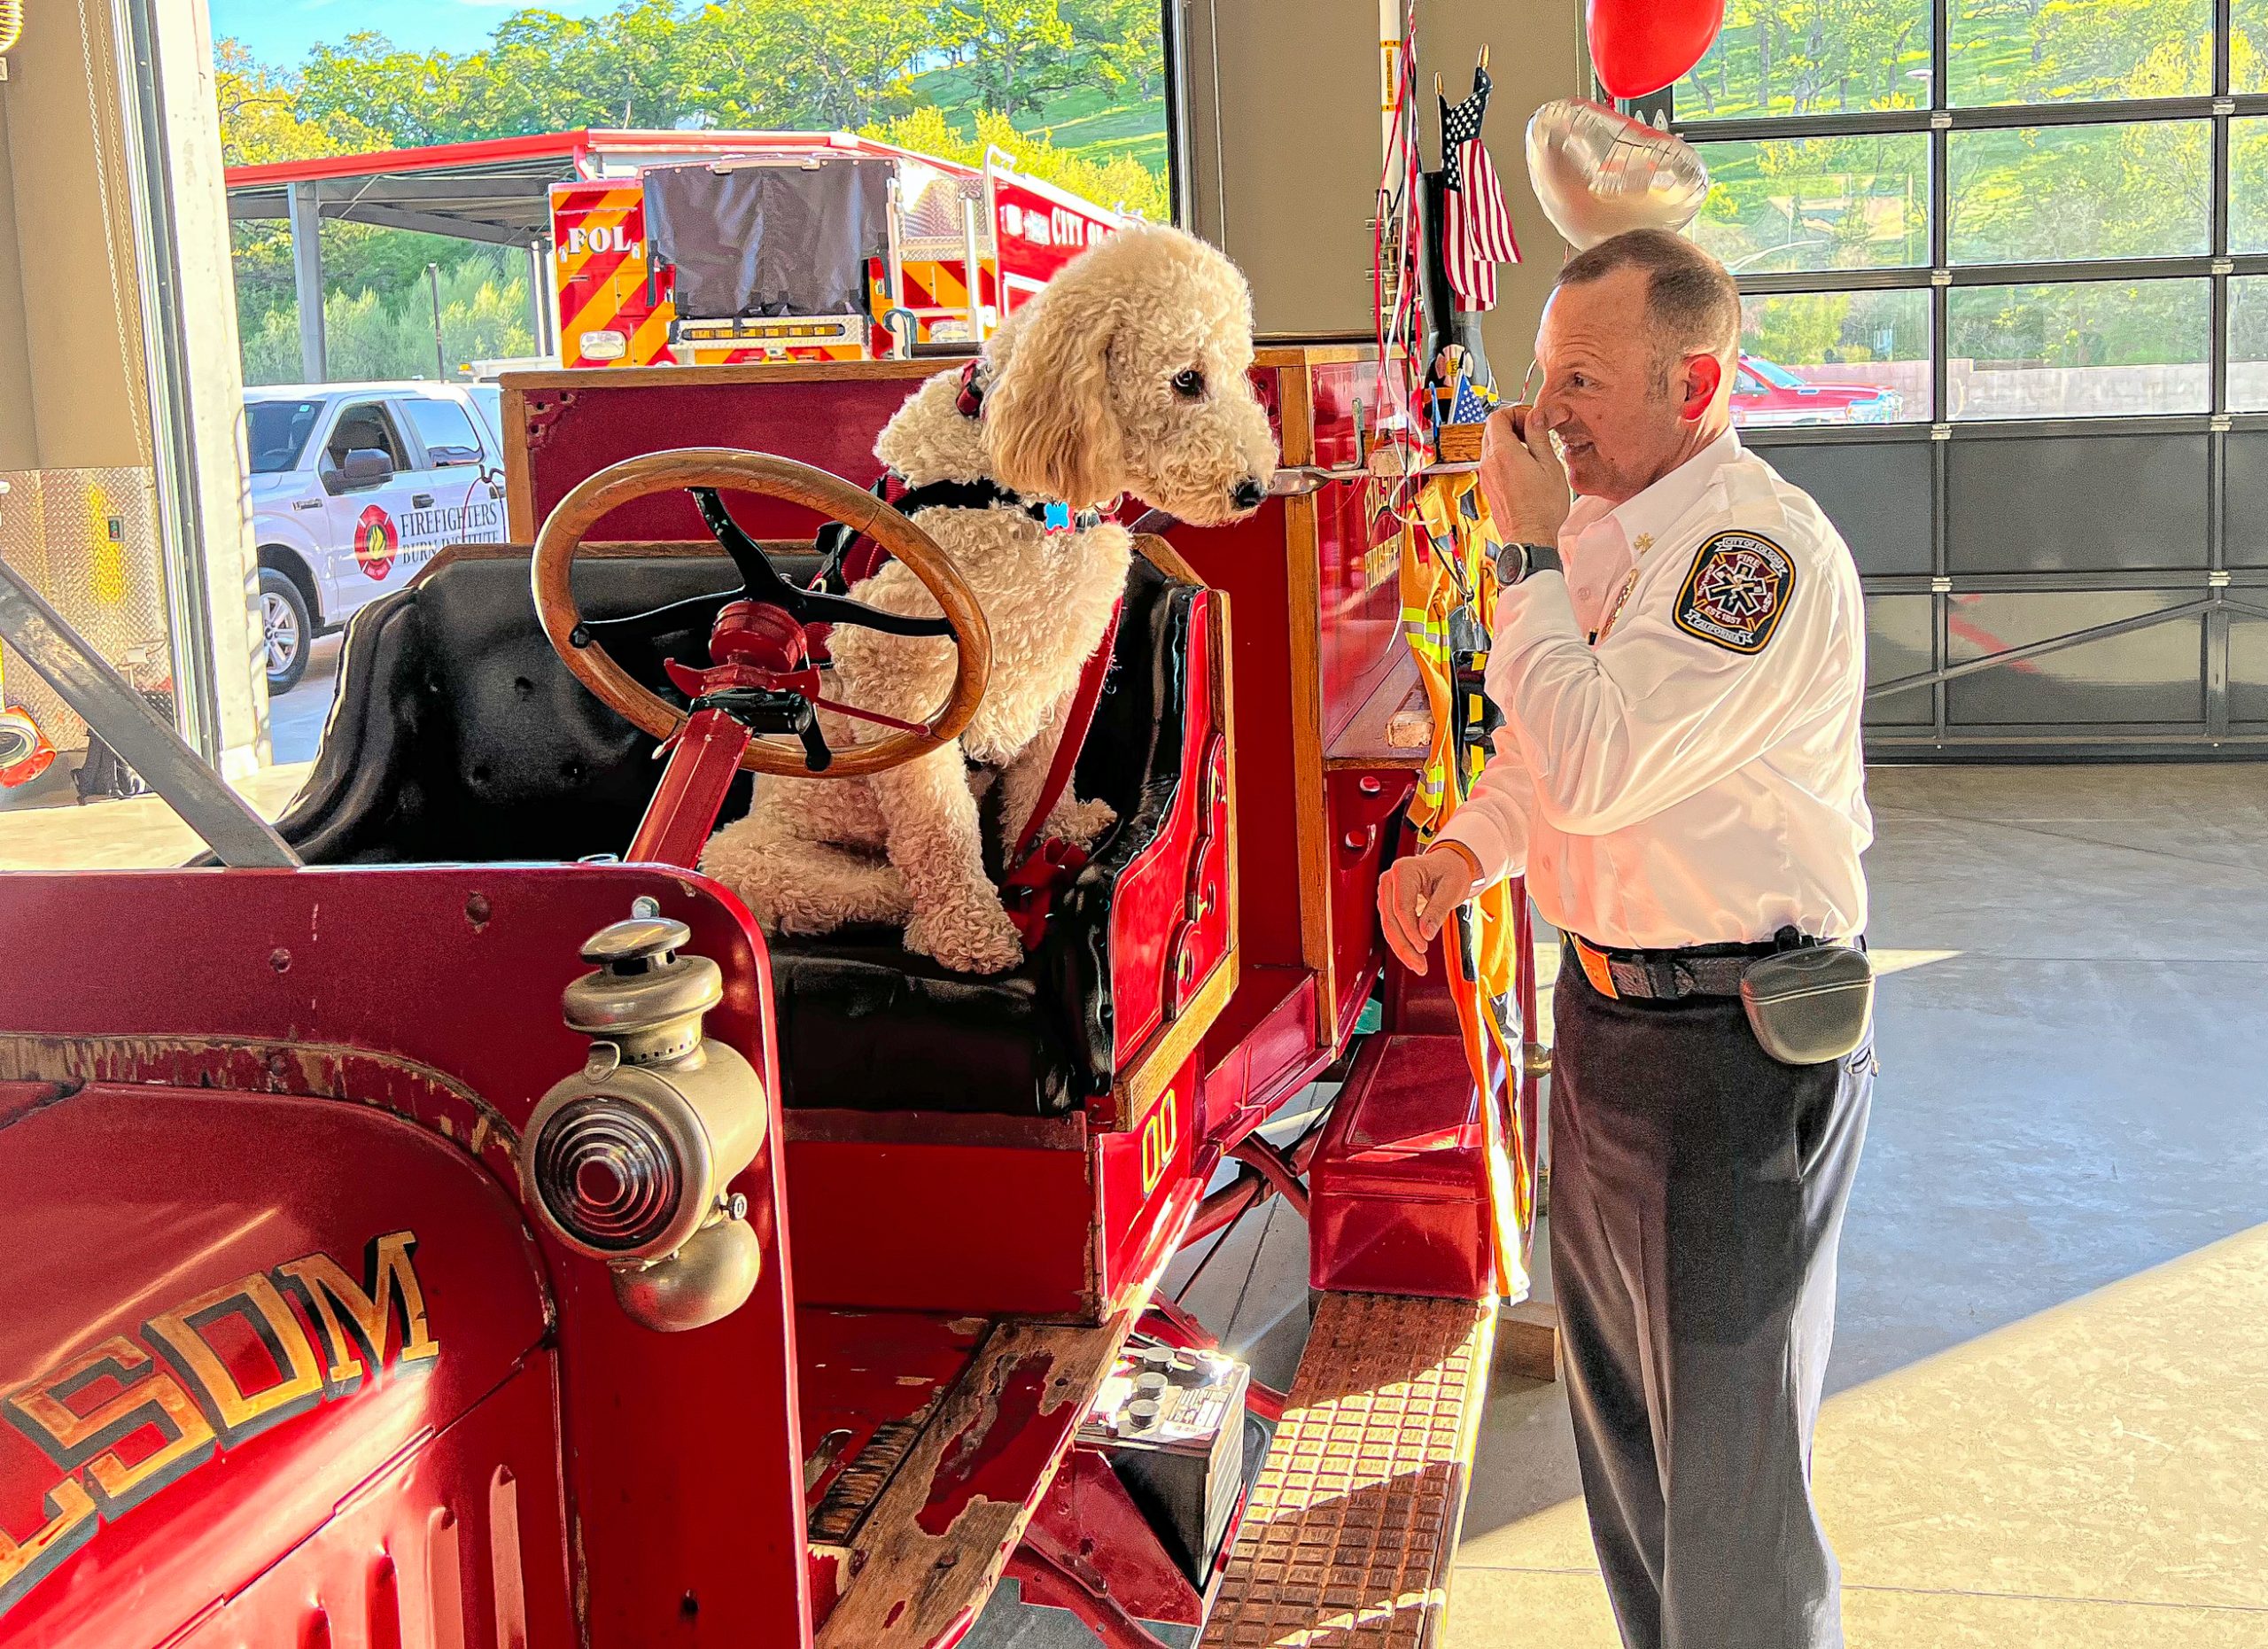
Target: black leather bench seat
(459,737)
(865,1025)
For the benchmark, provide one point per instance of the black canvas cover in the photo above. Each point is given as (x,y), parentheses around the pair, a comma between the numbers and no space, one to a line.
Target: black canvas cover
(762,240)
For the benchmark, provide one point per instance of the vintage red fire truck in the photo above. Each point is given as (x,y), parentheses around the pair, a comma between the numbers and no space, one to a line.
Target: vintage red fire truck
(642,287)
(449,1221)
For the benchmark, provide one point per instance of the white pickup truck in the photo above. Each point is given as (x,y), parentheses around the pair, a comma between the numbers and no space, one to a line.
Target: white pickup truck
(354,487)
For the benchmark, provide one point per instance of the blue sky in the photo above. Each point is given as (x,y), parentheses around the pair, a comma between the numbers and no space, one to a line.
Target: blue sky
(281,31)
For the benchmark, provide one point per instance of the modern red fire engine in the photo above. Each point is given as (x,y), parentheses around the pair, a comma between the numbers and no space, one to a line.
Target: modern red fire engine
(624,301)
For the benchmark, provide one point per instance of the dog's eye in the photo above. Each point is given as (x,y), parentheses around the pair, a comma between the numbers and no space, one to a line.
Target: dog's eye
(1189,384)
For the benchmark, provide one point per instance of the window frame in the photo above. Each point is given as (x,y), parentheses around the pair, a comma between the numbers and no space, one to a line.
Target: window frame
(2227,589)
(381,407)
(1940,119)
(408,405)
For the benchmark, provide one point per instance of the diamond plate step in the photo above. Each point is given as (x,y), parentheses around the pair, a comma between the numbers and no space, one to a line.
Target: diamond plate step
(1347,1541)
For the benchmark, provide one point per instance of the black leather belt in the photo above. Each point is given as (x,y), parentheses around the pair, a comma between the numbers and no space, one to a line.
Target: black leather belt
(1668,976)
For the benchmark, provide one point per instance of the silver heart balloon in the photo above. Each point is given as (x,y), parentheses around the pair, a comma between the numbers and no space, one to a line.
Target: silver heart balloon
(1599,173)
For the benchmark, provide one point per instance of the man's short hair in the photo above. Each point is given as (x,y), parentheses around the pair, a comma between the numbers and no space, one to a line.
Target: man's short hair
(1691,300)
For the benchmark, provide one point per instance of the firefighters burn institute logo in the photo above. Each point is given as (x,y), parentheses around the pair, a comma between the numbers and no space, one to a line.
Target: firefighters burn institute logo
(375,540)
(1739,587)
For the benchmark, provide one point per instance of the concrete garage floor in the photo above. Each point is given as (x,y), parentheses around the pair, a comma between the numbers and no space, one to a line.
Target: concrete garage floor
(2048,1420)
(135,833)
(295,719)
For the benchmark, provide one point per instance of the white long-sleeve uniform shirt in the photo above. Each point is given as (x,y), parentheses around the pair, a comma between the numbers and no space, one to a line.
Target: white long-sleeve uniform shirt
(1693,775)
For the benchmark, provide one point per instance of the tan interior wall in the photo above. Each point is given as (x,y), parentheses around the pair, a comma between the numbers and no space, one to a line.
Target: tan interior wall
(19,442)
(1287,190)
(1283,178)
(1535,55)
(79,400)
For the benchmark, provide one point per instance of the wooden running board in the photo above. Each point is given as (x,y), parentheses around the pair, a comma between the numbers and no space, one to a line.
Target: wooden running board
(1353,1525)
(937,1538)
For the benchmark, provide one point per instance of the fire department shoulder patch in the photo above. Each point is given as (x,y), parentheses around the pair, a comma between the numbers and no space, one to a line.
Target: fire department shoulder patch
(1740,585)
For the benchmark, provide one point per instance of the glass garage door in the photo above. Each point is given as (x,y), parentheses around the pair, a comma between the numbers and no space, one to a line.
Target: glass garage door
(2005,277)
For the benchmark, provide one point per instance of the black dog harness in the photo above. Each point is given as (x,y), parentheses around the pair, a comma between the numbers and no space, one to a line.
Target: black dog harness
(985,495)
(837,541)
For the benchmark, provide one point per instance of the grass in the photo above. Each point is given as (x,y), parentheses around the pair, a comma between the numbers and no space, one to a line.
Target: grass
(1989,58)
(1096,120)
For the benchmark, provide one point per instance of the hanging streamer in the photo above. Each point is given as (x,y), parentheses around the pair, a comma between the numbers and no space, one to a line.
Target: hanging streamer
(1448,598)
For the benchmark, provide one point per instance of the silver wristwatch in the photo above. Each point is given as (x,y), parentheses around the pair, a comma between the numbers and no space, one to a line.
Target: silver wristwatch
(1515,562)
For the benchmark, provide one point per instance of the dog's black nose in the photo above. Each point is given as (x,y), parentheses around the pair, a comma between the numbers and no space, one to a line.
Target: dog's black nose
(1247,494)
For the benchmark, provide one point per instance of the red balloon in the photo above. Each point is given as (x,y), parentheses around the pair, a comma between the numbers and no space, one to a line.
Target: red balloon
(1639,46)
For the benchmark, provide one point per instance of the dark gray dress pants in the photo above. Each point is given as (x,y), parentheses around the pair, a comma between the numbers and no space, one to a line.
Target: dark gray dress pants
(1698,1190)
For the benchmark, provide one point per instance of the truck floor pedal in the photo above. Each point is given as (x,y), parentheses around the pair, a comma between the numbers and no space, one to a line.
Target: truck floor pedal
(1353,1522)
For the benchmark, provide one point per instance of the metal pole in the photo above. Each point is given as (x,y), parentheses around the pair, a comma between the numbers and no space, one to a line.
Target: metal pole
(1940,369)
(539,299)
(895,220)
(307,282)
(894,316)
(970,267)
(2217,439)
(553,320)
(434,285)
(174,474)
(123,721)
(1178,148)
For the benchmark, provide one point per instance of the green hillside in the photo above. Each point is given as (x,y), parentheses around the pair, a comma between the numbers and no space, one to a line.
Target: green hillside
(1096,122)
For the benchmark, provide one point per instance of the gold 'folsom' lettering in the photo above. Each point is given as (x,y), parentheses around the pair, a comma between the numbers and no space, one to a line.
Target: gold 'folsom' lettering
(71,1524)
(234,1412)
(147,1397)
(82,1413)
(352,1318)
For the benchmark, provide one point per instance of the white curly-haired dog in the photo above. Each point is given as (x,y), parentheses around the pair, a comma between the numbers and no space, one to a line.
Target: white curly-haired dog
(1129,372)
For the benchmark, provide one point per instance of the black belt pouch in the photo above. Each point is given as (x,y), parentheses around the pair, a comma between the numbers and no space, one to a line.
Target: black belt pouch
(1811,1005)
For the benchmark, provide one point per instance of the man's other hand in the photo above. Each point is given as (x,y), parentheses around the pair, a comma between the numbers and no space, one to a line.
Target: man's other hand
(1415,897)
(1522,478)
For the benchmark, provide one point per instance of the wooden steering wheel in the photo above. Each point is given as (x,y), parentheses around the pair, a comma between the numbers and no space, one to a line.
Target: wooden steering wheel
(703,470)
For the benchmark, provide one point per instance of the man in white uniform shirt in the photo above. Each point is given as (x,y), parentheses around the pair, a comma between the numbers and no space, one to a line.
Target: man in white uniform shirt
(1679,777)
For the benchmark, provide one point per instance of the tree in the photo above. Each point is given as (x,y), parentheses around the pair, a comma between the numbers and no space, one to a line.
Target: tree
(1813,56)
(1015,52)
(1120,42)
(1800,328)
(382,334)
(261,120)
(811,64)
(264,119)
(411,98)
(635,67)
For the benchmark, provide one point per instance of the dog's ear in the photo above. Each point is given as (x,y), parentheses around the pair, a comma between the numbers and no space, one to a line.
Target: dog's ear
(1048,414)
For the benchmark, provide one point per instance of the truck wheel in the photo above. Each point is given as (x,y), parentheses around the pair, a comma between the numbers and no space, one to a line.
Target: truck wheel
(286,629)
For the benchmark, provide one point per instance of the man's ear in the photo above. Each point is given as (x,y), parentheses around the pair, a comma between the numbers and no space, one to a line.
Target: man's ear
(1704,376)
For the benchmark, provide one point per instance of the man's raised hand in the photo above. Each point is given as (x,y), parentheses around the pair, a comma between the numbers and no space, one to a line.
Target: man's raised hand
(1522,478)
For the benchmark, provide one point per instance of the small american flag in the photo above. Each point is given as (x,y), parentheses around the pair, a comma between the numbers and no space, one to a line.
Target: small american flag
(1476,232)
(1471,403)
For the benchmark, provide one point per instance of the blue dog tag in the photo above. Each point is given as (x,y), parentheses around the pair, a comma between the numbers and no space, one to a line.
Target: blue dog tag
(1058,517)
